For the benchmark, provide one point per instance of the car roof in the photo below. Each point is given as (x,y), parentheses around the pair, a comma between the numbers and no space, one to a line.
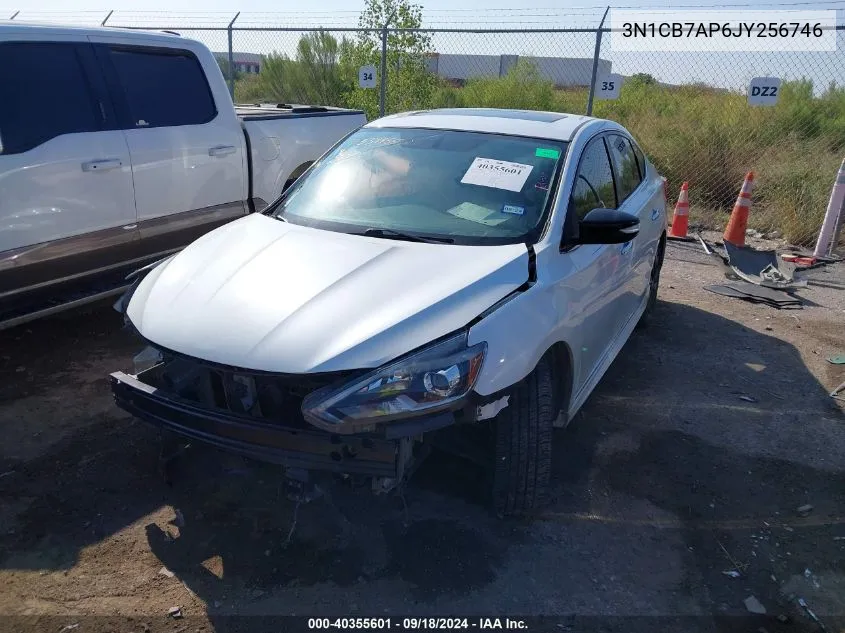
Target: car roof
(549,125)
(35,31)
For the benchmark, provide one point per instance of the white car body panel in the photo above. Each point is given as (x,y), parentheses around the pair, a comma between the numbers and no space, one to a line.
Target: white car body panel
(589,298)
(46,195)
(200,170)
(292,299)
(265,295)
(173,166)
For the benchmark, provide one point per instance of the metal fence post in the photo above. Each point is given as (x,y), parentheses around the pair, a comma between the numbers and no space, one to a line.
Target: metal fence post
(383,71)
(595,64)
(231,72)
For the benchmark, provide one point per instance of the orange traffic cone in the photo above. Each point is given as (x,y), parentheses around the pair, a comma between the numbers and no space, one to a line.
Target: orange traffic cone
(680,220)
(737,225)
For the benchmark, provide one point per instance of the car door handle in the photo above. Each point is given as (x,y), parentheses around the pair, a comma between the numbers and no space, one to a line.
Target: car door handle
(222,150)
(103,164)
(626,247)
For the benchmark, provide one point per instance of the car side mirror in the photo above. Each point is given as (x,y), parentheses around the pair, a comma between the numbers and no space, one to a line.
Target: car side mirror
(608,226)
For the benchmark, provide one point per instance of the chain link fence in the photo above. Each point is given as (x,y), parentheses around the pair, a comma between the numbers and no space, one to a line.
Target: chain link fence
(689,110)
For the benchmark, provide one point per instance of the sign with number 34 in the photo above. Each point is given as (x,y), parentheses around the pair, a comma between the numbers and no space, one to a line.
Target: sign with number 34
(367,77)
(608,86)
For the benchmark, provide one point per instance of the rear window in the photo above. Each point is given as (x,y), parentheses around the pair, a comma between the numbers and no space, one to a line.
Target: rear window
(163,88)
(45,94)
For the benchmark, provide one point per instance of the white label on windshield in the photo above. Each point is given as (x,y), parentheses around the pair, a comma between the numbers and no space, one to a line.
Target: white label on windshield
(499,174)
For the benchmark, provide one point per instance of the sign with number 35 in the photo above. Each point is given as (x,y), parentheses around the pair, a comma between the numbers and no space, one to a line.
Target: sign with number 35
(608,86)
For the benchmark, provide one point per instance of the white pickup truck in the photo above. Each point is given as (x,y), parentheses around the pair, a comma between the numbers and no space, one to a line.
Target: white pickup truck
(118,147)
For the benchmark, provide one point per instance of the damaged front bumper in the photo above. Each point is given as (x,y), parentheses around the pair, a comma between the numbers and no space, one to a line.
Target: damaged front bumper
(386,455)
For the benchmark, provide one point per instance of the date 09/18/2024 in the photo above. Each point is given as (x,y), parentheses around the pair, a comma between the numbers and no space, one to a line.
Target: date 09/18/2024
(413,624)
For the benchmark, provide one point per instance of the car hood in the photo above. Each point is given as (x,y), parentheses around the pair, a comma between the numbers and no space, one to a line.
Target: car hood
(268,295)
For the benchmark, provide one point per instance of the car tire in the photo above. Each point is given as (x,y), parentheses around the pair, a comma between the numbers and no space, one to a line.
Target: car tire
(653,284)
(523,444)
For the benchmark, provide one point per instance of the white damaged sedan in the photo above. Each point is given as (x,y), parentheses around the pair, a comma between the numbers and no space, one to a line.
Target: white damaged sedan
(445,273)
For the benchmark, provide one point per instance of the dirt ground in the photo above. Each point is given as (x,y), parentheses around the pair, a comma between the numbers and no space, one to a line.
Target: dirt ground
(690,460)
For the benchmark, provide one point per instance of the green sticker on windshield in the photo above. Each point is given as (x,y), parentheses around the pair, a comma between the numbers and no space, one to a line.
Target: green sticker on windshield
(547,153)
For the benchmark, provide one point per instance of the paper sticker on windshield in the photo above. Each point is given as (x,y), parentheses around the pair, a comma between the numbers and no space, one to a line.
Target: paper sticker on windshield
(498,174)
(513,209)
(477,213)
(546,153)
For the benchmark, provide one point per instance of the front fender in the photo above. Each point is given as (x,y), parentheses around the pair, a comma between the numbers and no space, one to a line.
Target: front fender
(518,334)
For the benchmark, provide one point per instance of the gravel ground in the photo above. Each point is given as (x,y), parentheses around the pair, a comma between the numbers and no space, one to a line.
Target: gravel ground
(690,460)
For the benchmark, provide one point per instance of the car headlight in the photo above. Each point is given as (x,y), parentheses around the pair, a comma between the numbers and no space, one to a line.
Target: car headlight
(430,380)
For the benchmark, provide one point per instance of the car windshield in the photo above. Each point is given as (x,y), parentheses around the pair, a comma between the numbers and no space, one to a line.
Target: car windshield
(451,186)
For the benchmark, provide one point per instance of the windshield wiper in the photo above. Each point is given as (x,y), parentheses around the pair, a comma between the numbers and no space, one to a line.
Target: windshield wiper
(398,235)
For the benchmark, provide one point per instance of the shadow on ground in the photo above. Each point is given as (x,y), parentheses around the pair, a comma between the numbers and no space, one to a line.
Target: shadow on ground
(701,426)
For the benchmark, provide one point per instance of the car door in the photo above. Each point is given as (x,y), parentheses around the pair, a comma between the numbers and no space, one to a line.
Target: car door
(188,158)
(67,205)
(590,276)
(636,199)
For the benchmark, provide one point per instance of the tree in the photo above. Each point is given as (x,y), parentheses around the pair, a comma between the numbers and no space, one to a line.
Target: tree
(312,77)
(410,85)
(643,79)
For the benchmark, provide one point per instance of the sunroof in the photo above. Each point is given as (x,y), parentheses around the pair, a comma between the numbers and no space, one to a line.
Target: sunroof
(525,115)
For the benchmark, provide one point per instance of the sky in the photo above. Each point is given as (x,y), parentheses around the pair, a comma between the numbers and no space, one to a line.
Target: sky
(730,70)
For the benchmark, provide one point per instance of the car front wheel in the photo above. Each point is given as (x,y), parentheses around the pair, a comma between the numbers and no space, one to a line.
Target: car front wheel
(523,451)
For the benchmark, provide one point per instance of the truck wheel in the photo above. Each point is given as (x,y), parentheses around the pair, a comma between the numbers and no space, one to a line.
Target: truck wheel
(653,283)
(523,452)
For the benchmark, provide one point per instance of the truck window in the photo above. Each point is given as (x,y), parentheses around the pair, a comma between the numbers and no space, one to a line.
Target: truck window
(163,88)
(45,94)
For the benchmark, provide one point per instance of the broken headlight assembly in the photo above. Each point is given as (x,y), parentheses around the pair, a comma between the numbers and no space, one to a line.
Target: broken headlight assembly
(434,379)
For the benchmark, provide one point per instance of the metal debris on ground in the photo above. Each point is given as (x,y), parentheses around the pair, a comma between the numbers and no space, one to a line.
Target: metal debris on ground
(835,393)
(760,268)
(70,627)
(754,606)
(747,398)
(803,604)
(756,294)
(804,510)
(175,612)
(732,573)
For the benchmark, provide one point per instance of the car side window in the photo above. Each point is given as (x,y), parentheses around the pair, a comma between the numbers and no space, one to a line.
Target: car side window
(46,93)
(593,188)
(163,87)
(625,166)
(641,161)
